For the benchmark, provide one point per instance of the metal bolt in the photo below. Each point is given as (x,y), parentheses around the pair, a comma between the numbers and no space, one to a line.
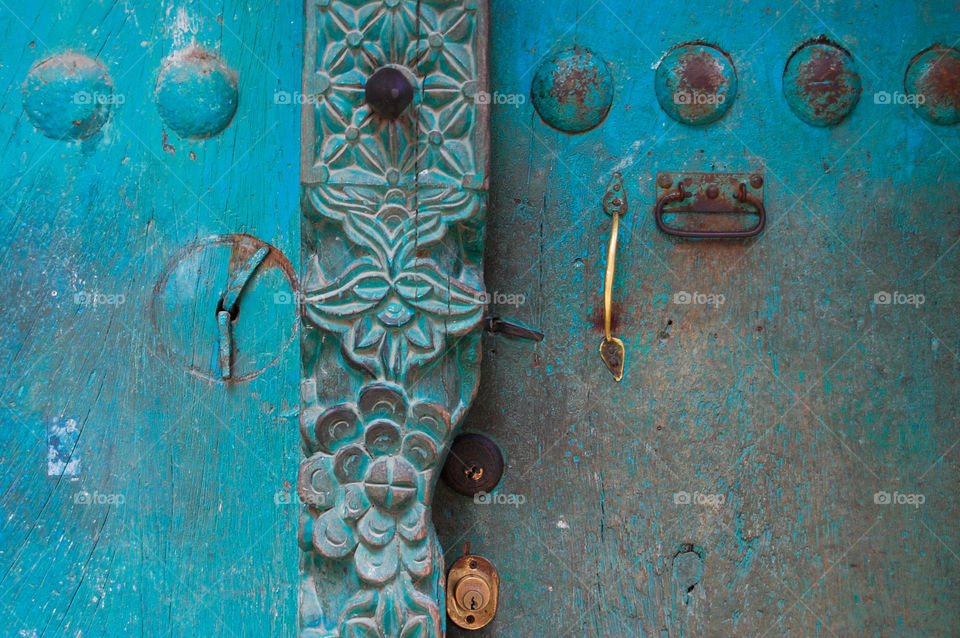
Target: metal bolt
(615,202)
(664,181)
(713,191)
(756,181)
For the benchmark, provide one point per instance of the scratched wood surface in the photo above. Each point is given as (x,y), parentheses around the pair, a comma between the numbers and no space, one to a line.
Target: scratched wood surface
(167,510)
(795,401)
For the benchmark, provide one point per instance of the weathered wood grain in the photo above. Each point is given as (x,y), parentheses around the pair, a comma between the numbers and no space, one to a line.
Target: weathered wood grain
(796,400)
(194,532)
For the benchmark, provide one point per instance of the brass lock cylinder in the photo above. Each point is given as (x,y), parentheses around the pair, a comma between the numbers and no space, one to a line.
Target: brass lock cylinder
(472,593)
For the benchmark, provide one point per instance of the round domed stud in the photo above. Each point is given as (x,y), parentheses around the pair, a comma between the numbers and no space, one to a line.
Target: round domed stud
(821,83)
(389,92)
(68,96)
(196,93)
(573,90)
(696,83)
(932,84)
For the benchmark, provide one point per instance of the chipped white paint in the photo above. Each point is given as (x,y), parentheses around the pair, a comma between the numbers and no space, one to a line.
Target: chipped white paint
(62,457)
(625,163)
(183,27)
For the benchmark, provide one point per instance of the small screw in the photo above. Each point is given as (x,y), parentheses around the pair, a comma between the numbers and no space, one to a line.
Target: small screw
(713,191)
(665,181)
(615,202)
(756,181)
(616,187)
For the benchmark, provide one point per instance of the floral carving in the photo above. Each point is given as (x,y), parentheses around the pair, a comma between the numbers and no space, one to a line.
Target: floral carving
(433,143)
(367,483)
(393,237)
(393,307)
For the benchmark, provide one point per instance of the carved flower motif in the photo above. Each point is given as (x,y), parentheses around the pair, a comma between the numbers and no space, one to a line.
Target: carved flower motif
(430,39)
(367,481)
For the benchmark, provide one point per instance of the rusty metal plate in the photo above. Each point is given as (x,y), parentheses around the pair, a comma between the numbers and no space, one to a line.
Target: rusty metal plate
(710,205)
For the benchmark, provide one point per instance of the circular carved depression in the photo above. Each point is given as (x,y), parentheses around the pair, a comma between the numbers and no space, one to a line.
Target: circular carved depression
(188,292)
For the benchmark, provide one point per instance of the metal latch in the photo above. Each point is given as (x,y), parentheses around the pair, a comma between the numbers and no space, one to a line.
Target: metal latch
(712,205)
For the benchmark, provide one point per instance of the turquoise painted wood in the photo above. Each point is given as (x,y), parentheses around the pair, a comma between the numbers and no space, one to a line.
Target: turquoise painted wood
(141,494)
(787,414)
(395,195)
(779,459)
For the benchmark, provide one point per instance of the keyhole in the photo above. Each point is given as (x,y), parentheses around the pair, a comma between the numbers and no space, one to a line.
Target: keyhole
(473,602)
(474,473)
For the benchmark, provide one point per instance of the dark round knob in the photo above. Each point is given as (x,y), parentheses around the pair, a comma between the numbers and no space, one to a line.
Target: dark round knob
(388,92)
(475,465)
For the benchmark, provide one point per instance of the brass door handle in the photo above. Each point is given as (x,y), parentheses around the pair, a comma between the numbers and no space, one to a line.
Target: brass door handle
(612,351)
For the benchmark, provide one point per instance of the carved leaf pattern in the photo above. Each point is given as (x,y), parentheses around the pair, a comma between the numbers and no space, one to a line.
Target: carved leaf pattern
(393,309)
(402,200)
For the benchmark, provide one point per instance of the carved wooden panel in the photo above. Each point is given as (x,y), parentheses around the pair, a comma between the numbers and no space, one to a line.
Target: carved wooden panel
(392,246)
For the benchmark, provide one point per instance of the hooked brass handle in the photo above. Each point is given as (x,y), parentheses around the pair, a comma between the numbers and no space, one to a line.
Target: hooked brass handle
(612,351)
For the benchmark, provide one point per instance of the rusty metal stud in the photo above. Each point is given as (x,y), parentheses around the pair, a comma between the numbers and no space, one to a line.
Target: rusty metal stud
(664,181)
(475,587)
(932,86)
(756,181)
(388,92)
(695,83)
(573,90)
(713,191)
(475,465)
(821,83)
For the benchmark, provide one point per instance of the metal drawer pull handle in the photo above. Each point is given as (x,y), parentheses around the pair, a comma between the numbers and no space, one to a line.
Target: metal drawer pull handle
(612,350)
(697,206)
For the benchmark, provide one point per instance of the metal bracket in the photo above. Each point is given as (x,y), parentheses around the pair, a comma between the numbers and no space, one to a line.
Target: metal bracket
(716,204)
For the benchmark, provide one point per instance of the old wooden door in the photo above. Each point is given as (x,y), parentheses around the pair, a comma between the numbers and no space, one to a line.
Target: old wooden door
(779,456)
(150,149)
